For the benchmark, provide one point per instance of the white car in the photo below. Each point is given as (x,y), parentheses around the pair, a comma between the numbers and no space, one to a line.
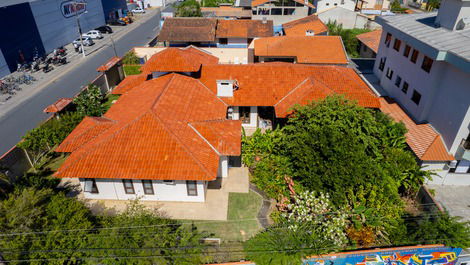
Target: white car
(87,41)
(138,10)
(94,34)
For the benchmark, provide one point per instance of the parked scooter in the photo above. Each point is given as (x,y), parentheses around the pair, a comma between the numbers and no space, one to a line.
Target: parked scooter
(58,60)
(47,68)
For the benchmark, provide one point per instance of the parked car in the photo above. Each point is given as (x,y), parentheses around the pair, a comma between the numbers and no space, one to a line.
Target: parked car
(117,23)
(105,29)
(138,10)
(87,41)
(94,34)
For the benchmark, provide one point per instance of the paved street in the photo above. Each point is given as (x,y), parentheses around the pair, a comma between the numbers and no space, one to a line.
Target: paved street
(28,114)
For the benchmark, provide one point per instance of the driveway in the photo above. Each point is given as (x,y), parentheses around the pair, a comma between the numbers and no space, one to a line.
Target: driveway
(26,113)
(454,199)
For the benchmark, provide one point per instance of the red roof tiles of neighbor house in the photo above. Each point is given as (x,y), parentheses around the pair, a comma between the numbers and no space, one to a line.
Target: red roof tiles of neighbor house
(129,82)
(187,59)
(425,142)
(266,84)
(112,62)
(58,106)
(188,29)
(154,135)
(371,39)
(321,49)
(300,26)
(245,28)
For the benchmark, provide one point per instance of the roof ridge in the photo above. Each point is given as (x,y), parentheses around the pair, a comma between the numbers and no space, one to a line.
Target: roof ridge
(212,92)
(292,91)
(157,100)
(204,138)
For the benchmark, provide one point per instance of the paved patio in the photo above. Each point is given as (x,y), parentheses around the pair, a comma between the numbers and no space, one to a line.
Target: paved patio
(454,199)
(215,207)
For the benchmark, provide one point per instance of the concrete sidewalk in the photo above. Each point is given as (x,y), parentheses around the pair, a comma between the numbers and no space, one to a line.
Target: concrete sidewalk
(454,199)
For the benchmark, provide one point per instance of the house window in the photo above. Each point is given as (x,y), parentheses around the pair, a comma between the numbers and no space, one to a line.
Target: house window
(396,45)
(398,81)
(414,56)
(427,64)
(462,167)
(382,63)
(191,187)
(389,73)
(327,4)
(406,53)
(223,41)
(90,186)
(148,187)
(245,115)
(169,182)
(404,88)
(388,39)
(128,186)
(416,98)
(336,4)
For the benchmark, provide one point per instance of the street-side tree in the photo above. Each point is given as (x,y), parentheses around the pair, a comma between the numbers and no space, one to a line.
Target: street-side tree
(130,58)
(89,102)
(188,8)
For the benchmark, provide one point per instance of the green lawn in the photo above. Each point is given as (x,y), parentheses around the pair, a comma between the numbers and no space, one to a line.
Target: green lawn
(109,101)
(132,69)
(242,206)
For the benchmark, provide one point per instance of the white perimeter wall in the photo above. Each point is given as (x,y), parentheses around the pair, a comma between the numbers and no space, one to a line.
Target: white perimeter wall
(442,176)
(322,5)
(349,19)
(113,189)
(57,30)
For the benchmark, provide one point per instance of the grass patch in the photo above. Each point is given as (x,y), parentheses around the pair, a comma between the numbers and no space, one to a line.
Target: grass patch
(241,206)
(109,101)
(132,69)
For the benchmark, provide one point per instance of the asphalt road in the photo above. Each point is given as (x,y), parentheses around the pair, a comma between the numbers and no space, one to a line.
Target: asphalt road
(28,114)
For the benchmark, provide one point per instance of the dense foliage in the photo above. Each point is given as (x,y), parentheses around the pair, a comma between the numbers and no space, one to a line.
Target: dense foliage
(188,8)
(89,101)
(215,3)
(351,44)
(131,69)
(130,58)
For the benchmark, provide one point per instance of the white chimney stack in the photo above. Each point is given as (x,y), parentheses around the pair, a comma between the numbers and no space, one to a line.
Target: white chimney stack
(309,32)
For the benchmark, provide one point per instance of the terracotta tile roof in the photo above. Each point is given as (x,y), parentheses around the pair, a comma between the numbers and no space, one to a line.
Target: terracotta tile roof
(266,84)
(58,106)
(307,49)
(260,2)
(371,39)
(112,62)
(187,59)
(184,29)
(245,28)
(153,135)
(225,11)
(300,26)
(222,135)
(425,142)
(129,82)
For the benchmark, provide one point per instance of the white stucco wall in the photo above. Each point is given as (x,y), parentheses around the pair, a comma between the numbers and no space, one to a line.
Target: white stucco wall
(223,167)
(444,92)
(322,5)
(349,19)
(253,116)
(442,176)
(299,12)
(113,189)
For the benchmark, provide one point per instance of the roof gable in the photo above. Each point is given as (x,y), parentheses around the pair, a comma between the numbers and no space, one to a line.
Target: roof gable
(371,39)
(244,28)
(300,26)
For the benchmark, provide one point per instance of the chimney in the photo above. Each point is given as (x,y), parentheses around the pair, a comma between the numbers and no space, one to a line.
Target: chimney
(225,88)
(453,14)
(309,32)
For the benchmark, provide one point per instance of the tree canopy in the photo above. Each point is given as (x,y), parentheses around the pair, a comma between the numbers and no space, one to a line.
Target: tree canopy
(89,101)
(188,8)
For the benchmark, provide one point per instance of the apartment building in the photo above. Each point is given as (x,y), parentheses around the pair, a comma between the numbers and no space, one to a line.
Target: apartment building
(423,63)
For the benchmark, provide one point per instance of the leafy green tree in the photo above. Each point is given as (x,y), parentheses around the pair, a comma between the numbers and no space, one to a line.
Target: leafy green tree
(5,185)
(131,58)
(215,3)
(188,8)
(440,229)
(89,101)
(279,245)
(350,41)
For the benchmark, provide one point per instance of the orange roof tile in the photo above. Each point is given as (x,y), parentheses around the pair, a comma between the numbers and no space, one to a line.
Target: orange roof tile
(306,49)
(371,39)
(425,142)
(58,106)
(225,11)
(187,59)
(245,28)
(300,26)
(152,136)
(112,62)
(222,135)
(266,84)
(260,2)
(188,29)
(129,82)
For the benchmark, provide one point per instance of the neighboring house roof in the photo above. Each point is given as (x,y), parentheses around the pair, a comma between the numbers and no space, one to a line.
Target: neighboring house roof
(168,128)
(225,11)
(243,3)
(129,82)
(439,43)
(58,106)
(371,39)
(307,49)
(425,142)
(269,84)
(187,59)
(245,28)
(260,2)
(300,26)
(188,29)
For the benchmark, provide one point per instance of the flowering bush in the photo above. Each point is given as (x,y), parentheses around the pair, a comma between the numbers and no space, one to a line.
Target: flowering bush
(316,209)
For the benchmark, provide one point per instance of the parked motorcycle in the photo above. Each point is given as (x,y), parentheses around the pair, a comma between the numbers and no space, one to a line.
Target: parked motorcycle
(47,68)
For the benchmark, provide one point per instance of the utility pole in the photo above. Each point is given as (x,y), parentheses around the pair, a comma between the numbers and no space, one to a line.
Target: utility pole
(78,24)
(114,47)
